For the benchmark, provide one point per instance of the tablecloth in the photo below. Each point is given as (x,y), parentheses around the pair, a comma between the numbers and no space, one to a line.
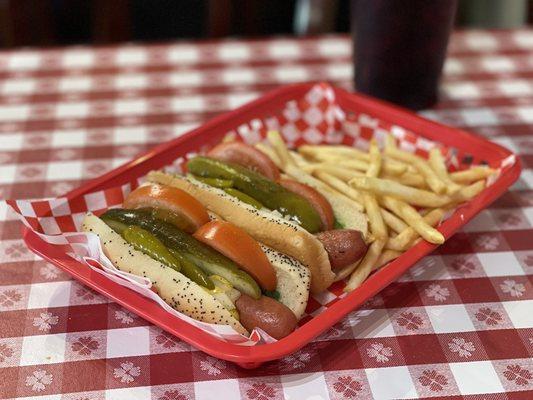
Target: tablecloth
(460,323)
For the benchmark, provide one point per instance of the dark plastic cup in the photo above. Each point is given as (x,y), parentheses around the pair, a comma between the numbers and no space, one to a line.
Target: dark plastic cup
(400,48)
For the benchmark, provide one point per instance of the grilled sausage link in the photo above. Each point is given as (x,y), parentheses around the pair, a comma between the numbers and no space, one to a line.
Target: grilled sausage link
(344,246)
(266,313)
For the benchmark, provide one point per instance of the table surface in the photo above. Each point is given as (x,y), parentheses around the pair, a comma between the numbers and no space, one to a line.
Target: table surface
(460,323)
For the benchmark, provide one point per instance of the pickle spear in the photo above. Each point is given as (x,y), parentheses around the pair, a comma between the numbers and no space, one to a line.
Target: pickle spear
(199,254)
(215,182)
(147,243)
(267,192)
(244,197)
(192,272)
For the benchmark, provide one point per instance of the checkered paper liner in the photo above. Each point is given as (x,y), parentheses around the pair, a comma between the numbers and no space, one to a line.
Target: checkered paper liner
(314,118)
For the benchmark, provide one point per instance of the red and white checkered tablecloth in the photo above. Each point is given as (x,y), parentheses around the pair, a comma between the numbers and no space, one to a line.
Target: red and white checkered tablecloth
(460,323)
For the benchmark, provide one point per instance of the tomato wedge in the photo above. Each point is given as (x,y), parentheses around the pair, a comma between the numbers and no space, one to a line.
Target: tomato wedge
(240,247)
(171,204)
(247,156)
(319,202)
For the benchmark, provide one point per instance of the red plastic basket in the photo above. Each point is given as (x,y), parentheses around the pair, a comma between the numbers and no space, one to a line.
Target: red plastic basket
(211,133)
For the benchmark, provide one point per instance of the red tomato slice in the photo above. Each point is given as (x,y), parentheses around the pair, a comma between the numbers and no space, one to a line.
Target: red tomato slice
(240,247)
(319,202)
(247,156)
(184,210)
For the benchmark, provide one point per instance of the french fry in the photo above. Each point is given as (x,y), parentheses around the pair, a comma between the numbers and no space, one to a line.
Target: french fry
(392,221)
(287,165)
(472,174)
(280,147)
(339,150)
(385,257)
(385,187)
(436,162)
(375,220)
(336,159)
(377,225)
(393,167)
(350,157)
(270,152)
(299,159)
(388,184)
(229,137)
(407,237)
(468,192)
(365,266)
(413,179)
(413,219)
(374,165)
(339,185)
(433,181)
(335,170)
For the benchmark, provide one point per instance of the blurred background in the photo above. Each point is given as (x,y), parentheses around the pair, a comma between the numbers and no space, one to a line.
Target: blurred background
(63,22)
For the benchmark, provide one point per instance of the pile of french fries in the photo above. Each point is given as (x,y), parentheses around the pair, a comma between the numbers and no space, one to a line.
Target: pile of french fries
(404,195)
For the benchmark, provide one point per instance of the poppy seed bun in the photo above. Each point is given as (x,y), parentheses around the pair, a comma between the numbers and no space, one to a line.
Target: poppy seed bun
(293,280)
(266,227)
(174,288)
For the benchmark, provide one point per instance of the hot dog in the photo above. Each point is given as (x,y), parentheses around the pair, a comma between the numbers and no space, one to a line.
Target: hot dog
(286,214)
(206,268)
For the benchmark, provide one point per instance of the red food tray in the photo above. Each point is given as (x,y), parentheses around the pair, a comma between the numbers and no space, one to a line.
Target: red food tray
(467,148)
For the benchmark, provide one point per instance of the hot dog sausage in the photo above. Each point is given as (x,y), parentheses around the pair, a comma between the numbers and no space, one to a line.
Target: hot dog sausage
(266,313)
(344,246)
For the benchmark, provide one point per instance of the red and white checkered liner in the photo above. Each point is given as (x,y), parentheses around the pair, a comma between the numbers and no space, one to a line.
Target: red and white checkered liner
(316,118)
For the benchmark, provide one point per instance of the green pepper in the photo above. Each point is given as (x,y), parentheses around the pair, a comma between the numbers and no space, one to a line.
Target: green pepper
(215,182)
(267,192)
(192,272)
(244,197)
(198,253)
(150,245)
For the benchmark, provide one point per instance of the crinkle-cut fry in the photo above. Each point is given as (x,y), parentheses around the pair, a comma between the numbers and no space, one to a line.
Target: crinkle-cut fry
(433,181)
(436,161)
(385,187)
(332,169)
(472,174)
(385,257)
(413,219)
(269,151)
(393,222)
(408,236)
(413,179)
(365,266)
(468,192)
